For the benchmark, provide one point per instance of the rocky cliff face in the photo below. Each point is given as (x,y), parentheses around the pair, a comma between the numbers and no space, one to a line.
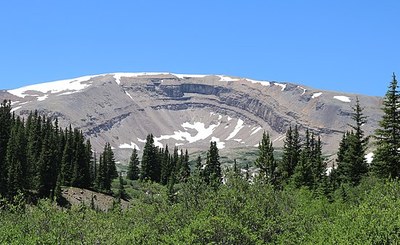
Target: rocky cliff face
(189,111)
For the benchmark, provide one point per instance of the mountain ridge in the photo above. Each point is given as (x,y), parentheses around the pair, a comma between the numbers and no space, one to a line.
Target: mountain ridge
(189,110)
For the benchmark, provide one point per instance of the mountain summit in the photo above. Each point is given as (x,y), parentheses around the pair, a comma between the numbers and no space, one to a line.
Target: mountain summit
(189,111)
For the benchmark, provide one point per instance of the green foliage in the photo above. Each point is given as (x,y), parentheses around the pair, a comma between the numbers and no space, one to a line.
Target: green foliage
(107,170)
(236,213)
(291,152)
(351,162)
(266,161)
(212,171)
(386,162)
(133,168)
(151,167)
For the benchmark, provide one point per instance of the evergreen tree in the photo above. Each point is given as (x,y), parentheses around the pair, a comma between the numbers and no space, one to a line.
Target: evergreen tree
(212,172)
(34,146)
(5,130)
(101,174)
(247,173)
(16,159)
(107,170)
(68,157)
(184,168)
(236,169)
(133,168)
(303,175)
(317,162)
(291,152)
(354,165)
(109,160)
(198,165)
(386,162)
(81,162)
(165,165)
(46,172)
(150,165)
(266,161)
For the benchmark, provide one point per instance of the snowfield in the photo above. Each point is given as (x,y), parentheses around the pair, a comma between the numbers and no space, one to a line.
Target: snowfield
(342,98)
(69,85)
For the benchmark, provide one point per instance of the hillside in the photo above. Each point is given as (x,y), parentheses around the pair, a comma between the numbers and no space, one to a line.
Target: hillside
(189,111)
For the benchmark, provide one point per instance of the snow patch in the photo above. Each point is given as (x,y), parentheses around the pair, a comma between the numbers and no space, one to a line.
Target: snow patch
(182,76)
(304,90)
(129,146)
(229,118)
(283,86)
(130,96)
(140,140)
(316,95)
(44,97)
(264,83)
(238,127)
(342,98)
(16,108)
(219,117)
(223,78)
(369,157)
(68,85)
(68,93)
(256,130)
(220,144)
(238,140)
(203,133)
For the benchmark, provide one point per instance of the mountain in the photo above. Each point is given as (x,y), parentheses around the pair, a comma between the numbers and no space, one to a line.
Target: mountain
(189,111)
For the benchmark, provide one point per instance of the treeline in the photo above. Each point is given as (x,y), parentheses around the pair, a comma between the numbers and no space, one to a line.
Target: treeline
(302,163)
(37,157)
(161,166)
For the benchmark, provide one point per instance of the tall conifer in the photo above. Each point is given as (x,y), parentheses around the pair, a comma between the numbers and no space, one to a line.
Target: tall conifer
(386,162)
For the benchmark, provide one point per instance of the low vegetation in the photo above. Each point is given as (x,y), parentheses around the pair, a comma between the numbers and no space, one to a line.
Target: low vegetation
(235,213)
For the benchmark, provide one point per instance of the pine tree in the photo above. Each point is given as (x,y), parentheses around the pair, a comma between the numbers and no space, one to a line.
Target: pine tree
(133,168)
(247,173)
(151,168)
(5,130)
(16,159)
(107,170)
(317,162)
(353,165)
(236,169)
(34,143)
(291,152)
(165,165)
(81,162)
(45,171)
(266,161)
(303,175)
(198,165)
(212,172)
(68,157)
(184,168)
(109,160)
(386,162)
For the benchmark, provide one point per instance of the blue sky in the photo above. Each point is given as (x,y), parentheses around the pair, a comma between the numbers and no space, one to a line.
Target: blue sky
(351,46)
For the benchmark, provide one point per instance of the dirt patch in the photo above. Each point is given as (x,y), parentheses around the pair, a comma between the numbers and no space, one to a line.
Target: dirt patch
(99,201)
